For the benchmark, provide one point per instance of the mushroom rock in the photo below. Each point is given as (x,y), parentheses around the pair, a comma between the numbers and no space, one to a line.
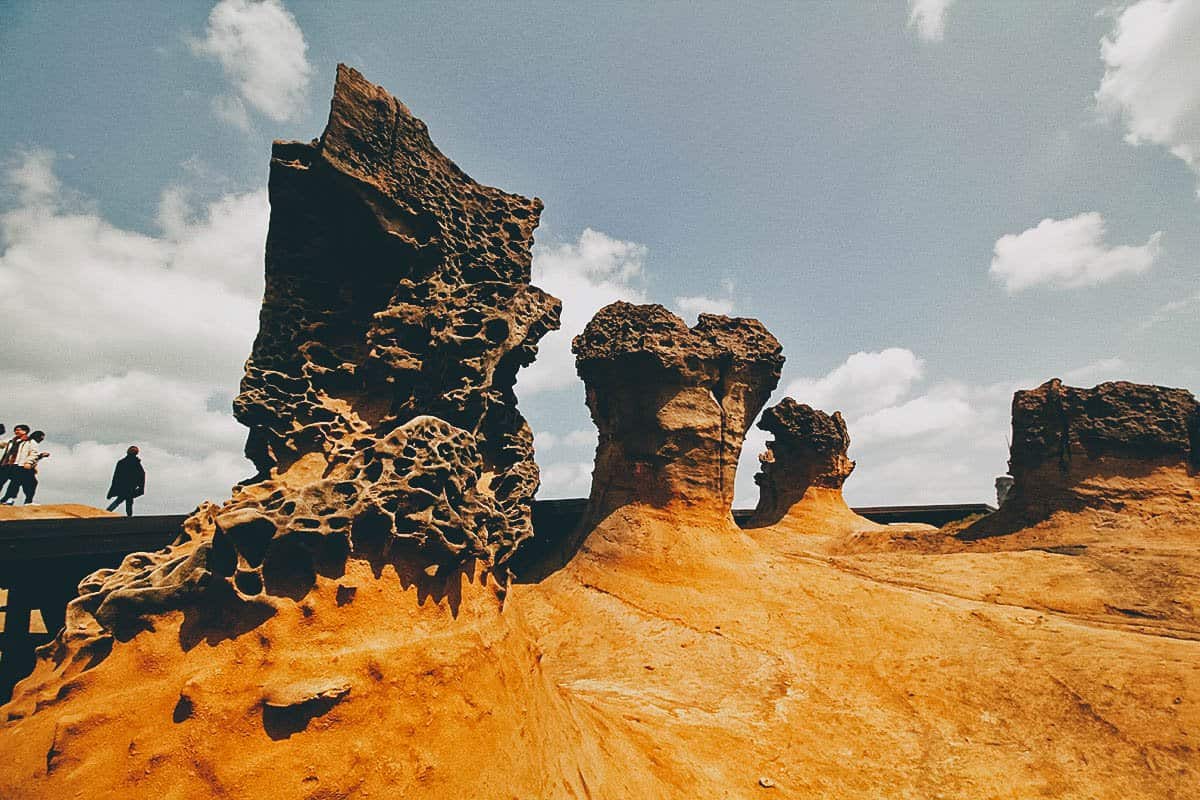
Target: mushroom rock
(802,471)
(1118,446)
(672,404)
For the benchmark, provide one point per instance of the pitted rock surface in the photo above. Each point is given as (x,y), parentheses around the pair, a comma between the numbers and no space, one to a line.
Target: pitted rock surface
(379,393)
(1069,427)
(672,403)
(808,450)
(1115,444)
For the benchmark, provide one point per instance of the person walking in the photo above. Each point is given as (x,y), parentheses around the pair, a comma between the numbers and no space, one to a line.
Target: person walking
(15,452)
(24,474)
(128,482)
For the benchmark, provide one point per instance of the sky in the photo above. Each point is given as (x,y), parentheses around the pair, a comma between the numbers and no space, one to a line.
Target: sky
(930,203)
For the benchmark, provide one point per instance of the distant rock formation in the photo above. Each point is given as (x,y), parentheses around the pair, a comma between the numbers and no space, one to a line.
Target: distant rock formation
(672,403)
(803,469)
(1107,447)
(379,393)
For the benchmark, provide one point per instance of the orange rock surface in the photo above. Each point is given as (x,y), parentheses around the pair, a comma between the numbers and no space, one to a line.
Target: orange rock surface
(52,511)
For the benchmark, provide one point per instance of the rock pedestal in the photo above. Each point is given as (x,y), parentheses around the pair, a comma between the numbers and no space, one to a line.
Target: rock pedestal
(803,469)
(672,403)
(1117,447)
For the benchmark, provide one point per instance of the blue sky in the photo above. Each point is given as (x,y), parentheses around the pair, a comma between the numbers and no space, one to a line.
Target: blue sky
(930,204)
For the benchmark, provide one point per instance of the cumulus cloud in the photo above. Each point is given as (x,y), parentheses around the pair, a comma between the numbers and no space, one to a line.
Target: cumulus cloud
(120,337)
(1067,254)
(946,408)
(586,276)
(566,479)
(262,52)
(914,442)
(865,382)
(928,18)
(1151,83)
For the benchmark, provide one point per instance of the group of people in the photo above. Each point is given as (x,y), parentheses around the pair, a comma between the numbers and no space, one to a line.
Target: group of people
(20,456)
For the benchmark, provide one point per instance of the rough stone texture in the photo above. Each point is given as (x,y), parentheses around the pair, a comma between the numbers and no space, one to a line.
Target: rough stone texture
(379,393)
(805,460)
(674,656)
(1069,426)
(1064,437)
(672,403)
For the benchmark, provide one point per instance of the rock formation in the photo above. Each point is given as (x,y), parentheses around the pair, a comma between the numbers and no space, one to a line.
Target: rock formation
(672,404)
(1105,447)
(344,626)
(803,469)
(379,392)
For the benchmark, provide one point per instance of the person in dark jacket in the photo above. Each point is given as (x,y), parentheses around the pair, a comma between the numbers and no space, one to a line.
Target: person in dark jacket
(128,482)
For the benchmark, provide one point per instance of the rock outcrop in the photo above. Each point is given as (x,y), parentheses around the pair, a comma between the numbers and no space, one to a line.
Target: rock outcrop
(672,403)
(1074,448)
(803,469)
(379,393)
(344,626)
(1117,447)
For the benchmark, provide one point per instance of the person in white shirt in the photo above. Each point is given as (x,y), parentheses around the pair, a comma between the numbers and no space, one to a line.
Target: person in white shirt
(25,475)
(14,452)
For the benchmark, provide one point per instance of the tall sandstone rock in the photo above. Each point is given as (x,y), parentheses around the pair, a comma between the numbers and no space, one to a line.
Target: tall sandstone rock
(672,404)
(1105,446)
(802,471)
(394,483)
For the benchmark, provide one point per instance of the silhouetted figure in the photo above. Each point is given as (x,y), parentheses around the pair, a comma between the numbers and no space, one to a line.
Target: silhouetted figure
(14,452)
(24,473)
(129,481)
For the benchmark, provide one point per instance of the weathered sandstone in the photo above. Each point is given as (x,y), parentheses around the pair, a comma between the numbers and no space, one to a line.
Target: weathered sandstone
(672,404)
(344,627)
(1104,447)
(379,392)
(803,469)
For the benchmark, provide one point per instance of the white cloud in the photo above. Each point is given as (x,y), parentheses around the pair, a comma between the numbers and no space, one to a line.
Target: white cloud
(1067,254)
(945,409)
(928,17)
(1168,311)
(866,382)
(263,53)
(1151,81)
(565,479)
(120,337)
(232,110)
(30,175)
(694,306)
(585,276)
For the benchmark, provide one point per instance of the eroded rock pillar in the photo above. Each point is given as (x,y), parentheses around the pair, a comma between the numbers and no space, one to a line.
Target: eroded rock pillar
(672,403)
